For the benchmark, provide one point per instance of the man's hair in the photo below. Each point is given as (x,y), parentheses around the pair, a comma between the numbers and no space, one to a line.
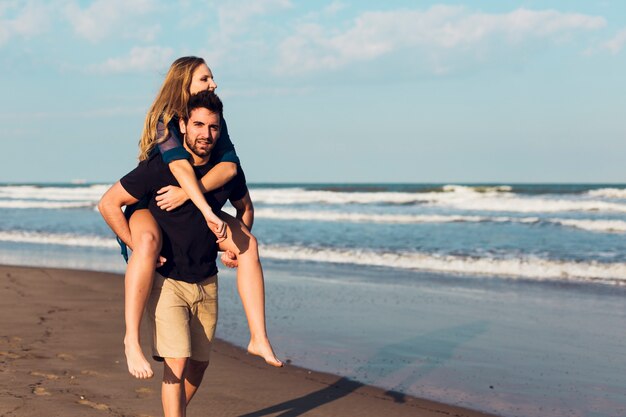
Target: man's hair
(204,99)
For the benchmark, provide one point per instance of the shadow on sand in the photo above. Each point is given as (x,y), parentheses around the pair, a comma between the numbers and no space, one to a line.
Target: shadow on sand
(299,406)
(425,353)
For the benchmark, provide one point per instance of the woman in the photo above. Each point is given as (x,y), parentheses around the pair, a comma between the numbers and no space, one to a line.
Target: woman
(186,76)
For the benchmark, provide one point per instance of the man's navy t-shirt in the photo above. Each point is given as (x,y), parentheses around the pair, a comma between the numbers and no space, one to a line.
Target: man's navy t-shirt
(188,244)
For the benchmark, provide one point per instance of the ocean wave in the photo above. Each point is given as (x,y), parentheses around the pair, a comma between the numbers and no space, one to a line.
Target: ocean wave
(51,193)
(467,198)
(525,266)
(65,239)
(28,204)
(335,216)
(477,188)
(619,193)
(520,267)
(286,196)
(456,197)
(529,205)
(607,226)
(486,199)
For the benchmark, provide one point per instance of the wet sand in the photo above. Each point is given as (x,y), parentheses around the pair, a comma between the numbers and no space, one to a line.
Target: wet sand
(61,355)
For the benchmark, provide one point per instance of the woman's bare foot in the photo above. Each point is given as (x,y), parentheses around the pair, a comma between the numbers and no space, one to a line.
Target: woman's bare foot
(264,349)
(138,366)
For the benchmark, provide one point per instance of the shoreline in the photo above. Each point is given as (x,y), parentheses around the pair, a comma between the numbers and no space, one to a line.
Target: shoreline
(61,354)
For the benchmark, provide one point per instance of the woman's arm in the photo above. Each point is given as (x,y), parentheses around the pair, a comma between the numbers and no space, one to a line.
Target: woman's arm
(186,177)
(219,175)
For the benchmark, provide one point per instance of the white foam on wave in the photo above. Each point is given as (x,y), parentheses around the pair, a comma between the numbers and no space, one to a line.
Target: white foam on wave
(465,198)
(485,199)
(286,196)
(335,216)
(606,226)
(526,267)
(477,188)
(31,192)
(65,239)
(619,193)
(28,204)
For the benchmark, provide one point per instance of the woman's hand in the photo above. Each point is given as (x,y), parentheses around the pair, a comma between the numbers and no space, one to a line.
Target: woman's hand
(170,197)
(160,261)
(229,259)
(218,227)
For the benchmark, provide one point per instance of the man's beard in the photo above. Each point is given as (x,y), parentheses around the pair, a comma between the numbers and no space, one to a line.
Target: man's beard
(194,149)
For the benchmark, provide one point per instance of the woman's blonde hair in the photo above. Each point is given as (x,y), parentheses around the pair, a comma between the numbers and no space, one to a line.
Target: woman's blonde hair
(171,101)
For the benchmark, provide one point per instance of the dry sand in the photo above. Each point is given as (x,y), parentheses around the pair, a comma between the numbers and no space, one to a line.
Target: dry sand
(61,355)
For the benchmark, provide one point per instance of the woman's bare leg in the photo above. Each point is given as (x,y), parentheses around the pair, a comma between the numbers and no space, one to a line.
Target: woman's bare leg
(251,286)
(146,237)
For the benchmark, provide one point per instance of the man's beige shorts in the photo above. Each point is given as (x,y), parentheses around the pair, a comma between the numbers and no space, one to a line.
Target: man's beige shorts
(183,317)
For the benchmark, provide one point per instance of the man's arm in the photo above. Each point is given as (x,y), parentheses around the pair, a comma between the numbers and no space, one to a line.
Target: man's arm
(110,207)
(245,210)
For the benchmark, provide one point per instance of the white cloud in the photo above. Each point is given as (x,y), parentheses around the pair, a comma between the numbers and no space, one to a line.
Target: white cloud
(23,19)
(438,30)
(104,18)
(235,21)
(334,7)
(616,44)
(233,15)
(139,59)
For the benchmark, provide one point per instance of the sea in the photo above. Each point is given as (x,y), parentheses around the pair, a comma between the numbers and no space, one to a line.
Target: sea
(506,298)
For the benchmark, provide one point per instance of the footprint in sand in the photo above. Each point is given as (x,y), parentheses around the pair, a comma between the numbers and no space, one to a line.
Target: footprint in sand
(10,355)
(40,391)
(66,356)
(144,392)
(47,376)
(91,373)
(97,406)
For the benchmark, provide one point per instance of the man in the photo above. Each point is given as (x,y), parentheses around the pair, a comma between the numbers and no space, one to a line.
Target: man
(182,309)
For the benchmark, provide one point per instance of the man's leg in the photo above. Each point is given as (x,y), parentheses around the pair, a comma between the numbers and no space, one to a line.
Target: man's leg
(173,387)
(194,372)
(202,325)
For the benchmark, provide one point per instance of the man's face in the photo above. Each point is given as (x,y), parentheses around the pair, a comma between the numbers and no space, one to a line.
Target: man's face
(201,131)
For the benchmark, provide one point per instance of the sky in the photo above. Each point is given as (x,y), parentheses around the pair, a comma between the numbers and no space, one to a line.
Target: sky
(325,91)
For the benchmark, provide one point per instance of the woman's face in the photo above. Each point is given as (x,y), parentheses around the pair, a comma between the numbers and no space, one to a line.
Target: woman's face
(202,79)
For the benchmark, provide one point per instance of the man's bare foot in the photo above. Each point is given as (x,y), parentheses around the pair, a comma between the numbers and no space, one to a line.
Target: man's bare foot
(138,366)
(264,350)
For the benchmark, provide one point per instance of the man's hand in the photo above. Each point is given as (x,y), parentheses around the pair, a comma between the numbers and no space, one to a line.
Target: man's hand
(170,197)
(229,259)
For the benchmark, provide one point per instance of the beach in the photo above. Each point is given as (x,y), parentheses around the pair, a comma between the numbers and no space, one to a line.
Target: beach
(507,299)
(61,354)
